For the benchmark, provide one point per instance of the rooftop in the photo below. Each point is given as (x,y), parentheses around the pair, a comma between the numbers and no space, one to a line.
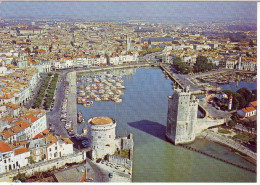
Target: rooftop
(21,150)
(101,121)
(4,147)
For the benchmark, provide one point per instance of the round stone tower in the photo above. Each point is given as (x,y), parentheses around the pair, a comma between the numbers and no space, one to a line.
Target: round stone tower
(102,132)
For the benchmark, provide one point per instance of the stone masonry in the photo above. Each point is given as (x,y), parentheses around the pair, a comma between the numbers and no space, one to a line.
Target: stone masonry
(182,117)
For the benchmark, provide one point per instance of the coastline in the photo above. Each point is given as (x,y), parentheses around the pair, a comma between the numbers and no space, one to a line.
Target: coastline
(242,150)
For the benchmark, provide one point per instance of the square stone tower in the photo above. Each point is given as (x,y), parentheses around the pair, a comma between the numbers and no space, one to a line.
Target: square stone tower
(182,117)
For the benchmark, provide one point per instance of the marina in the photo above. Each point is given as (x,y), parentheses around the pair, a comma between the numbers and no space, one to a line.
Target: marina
(93,88)
(143,112)
(228,77)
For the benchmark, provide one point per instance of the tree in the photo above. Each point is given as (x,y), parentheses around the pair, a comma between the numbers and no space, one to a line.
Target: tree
(30,159)
(180,66)
(21,177)
(232,123)
(244,92)
(238,100)
(202,64)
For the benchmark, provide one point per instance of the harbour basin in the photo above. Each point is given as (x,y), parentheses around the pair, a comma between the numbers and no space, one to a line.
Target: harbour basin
(143,112)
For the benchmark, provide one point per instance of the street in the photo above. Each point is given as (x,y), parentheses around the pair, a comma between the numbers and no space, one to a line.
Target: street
(53,117)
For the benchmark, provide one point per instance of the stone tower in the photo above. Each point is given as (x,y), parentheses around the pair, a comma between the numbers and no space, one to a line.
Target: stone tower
(182,117)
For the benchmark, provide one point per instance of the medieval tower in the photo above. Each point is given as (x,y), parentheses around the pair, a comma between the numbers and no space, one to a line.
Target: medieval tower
(182,117)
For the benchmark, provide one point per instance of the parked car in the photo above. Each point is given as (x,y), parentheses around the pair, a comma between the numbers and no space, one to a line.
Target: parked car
(90,179)
(110,175)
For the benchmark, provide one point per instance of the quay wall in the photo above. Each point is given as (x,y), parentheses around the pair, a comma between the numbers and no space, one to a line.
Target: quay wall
(44,166)
(229,142)
(171,76)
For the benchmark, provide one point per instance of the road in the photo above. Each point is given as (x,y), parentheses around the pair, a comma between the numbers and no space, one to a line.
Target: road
(214,113)
(97,173)
(53,117)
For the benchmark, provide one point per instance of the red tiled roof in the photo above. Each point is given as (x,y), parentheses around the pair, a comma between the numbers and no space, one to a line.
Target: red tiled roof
(21,150)
(12,106)
(16,129)
(8,133)
(254,103)
(248,109)
(4,147)
(22,123)
(46,131)
(38,136)
(31,117)
(6,96)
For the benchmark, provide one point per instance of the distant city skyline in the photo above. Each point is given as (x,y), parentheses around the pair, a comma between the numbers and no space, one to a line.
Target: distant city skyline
(160,11)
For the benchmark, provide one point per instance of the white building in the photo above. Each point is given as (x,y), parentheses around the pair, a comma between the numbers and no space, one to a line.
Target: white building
(230,64)
(3,70)
(200,47)
(11,159)
(247,112)
(38,124)
(58,147)
(21,157)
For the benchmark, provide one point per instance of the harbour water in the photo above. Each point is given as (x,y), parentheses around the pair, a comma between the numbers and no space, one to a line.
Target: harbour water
(143,112)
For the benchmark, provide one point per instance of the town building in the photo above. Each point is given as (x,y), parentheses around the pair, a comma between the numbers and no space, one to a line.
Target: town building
(249,111)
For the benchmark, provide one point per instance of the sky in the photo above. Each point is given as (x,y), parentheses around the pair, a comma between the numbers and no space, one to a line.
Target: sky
(132,10)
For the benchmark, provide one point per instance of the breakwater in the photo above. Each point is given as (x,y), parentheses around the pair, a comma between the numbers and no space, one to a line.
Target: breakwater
(217,158)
